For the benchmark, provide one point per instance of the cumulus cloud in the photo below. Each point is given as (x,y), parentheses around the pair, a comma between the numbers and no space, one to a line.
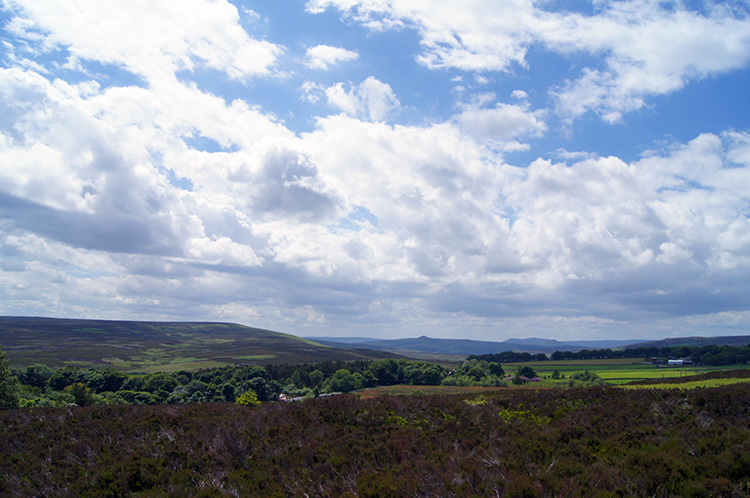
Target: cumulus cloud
(361,221)
(325,56)
(651,48)
(151,39)
(371,99)
(500,123)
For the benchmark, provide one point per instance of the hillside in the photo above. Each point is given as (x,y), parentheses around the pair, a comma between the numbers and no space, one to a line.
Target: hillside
(151,346)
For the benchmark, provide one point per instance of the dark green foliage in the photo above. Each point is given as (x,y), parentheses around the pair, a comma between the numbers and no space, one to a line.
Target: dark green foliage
(80,393)
(63,377)
(526,371)
(496,369)
(344,381)
(597,441)
(588,378)
(159,382)
(138,397)
(35,375)
(422,374)
(8,384)
(711,355)
(508,357)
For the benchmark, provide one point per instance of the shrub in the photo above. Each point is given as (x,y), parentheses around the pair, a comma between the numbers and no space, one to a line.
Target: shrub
(8,384)
(248,398)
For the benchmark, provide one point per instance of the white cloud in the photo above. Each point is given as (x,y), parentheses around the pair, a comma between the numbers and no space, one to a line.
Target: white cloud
(501,123)
(372,99)
(650,48)
(325,56)
(423,227)
(199,33)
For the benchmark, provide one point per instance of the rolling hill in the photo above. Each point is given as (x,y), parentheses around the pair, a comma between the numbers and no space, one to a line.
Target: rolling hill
(164,346)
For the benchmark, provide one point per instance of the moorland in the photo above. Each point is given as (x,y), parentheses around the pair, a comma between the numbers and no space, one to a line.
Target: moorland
(157,346)
(586,423)
(593,441)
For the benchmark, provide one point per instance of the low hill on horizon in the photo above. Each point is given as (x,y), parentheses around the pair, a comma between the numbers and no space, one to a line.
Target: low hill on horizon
(136,346)
(725,340)
(467,347)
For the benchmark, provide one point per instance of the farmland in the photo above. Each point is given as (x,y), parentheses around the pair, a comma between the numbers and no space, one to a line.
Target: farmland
(612,371)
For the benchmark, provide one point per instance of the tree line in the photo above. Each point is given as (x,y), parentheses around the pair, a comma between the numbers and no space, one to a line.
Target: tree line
(39,385)
(712,355)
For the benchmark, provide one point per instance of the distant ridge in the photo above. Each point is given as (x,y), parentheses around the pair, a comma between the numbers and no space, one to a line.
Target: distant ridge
(532,345)
(727,340)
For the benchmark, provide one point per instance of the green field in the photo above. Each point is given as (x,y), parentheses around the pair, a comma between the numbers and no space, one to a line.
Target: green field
(613,371)
(707,383)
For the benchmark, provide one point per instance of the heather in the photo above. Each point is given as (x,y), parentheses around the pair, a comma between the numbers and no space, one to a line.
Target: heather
(595,441)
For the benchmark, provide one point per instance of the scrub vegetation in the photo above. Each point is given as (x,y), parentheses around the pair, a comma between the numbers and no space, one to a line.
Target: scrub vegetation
(594,441)
(594,427)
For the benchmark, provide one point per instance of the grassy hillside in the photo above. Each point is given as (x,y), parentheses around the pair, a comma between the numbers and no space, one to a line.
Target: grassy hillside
(156,346)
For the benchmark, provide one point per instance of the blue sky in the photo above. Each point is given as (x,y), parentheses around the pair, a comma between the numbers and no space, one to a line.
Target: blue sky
(386,168)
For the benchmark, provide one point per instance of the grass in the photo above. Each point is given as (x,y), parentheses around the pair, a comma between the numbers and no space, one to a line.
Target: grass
(691,385)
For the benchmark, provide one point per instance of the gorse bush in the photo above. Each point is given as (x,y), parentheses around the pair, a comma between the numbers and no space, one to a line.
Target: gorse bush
(248,398)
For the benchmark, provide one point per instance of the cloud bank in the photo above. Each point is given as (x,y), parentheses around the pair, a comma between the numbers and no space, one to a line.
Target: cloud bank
(130,190)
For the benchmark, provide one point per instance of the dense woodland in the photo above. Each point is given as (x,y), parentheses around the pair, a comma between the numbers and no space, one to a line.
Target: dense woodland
(40,386)
(597,441)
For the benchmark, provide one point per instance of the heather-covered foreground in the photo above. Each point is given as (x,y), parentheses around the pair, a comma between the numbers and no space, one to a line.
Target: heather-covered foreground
(597,441)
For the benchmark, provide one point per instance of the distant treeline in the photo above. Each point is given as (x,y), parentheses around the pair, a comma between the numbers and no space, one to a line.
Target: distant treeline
(508,357)
(712,355)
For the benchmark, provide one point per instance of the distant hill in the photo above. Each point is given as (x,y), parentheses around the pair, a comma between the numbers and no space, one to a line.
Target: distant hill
(157,346)
(467,347)
(730,340)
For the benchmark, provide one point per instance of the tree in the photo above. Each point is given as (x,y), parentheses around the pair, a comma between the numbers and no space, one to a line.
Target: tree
(8,384)
(526,371)
(316,377)
(476,373)
(496,369)
(249,398)
(343,380)
(65,376)
(160,382)
(81,393)
(36,375)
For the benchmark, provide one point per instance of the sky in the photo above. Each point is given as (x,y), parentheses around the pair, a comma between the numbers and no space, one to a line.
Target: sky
(564,169)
